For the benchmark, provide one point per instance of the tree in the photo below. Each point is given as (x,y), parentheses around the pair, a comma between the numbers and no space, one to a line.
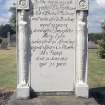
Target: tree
(13,18)
(11,27)
(95,37)
(0,40)
(101,51)
(4,29)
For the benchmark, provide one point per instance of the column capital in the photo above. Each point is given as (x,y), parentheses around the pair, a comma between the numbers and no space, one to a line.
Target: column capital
(82,5)
(22,4)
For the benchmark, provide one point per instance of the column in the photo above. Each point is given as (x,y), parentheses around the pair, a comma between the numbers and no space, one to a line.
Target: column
(81,88)
(23,90)
(23,83)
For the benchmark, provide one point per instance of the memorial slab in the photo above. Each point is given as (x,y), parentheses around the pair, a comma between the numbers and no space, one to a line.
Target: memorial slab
(52,47)
(53,42)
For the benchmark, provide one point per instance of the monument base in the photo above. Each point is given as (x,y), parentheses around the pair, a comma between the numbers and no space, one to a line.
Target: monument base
(23,92)
(82,90)
(53,100)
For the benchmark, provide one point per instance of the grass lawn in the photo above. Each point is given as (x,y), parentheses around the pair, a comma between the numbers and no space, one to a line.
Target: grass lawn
(8,68)
(96,74)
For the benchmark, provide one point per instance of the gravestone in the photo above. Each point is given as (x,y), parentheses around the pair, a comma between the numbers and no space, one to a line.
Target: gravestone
(52,47)
(8,38)
(4,44)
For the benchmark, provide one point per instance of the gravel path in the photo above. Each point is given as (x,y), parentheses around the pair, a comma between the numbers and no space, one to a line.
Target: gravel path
(4,96)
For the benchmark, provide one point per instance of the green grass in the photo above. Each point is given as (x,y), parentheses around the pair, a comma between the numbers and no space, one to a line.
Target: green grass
(8,68)
(96,73)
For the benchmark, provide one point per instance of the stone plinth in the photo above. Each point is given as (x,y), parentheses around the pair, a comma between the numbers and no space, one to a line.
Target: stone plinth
(53,100)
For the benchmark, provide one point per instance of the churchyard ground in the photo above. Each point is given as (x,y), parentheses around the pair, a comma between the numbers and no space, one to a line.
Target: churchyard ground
(8,68)
(96,73)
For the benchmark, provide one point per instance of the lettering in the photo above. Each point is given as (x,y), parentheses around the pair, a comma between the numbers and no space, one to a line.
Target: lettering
(53,32)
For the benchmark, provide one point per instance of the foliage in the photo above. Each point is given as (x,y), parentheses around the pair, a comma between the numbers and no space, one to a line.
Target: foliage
(103,26)
(0,40)
(95,37)
(11,27)
(4,29)
(101,49)
(13,18)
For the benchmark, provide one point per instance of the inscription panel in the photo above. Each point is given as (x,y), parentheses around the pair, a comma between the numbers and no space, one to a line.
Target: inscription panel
(53,41)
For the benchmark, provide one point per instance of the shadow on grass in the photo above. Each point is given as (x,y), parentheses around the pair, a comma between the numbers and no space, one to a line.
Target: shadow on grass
(98,94)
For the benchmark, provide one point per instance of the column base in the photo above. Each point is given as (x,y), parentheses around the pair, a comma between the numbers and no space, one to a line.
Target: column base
(82,90)
(23,92)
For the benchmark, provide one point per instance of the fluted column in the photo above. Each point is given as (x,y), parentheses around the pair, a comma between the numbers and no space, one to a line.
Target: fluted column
(81,54)
(23,88)
(81,87)
(81,46)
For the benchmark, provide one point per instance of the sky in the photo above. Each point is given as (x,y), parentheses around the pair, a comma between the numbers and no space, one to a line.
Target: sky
(95,18)
(96,15)
(4,13)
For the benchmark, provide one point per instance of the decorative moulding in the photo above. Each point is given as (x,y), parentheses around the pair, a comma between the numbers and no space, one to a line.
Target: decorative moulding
(23,4)
(82,5)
